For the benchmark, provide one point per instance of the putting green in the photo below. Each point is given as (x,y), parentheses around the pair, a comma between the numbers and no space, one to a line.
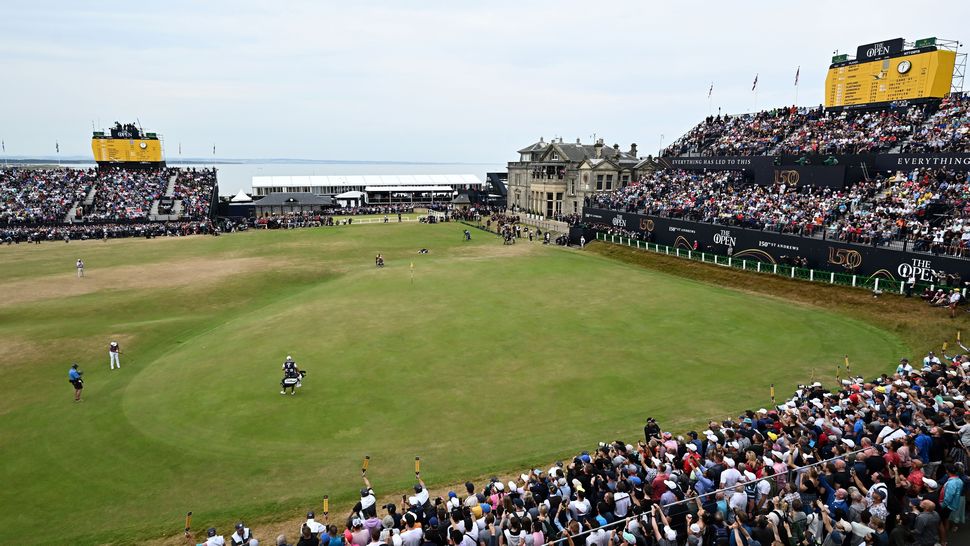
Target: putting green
(494,358)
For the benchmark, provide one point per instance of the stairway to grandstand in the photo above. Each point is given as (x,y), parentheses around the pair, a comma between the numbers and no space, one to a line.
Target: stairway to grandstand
(69,217)
(157,213)
(89,199)
(170,189)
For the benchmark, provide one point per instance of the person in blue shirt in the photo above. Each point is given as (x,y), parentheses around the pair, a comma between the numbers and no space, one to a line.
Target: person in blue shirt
(923,445)
(74,376)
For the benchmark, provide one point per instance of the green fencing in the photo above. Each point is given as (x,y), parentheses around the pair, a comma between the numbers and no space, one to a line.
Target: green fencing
(756,266)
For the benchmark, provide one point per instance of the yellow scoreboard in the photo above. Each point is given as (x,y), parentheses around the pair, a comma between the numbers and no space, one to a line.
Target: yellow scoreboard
(912,74)
(124,150)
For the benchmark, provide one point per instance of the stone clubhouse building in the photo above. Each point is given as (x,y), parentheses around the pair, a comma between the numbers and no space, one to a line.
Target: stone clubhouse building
(554,178)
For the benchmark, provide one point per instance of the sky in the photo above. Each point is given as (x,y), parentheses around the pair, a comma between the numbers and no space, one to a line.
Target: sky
(438,81)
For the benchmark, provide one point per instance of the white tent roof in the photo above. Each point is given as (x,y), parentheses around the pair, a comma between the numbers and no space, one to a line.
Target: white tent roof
(350,195)
(367,180)
(241,197)
(408,188)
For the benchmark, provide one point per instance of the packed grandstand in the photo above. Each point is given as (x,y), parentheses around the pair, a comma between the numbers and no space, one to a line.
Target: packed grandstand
(44,204)
(926,127)
(926,208)
(923,209)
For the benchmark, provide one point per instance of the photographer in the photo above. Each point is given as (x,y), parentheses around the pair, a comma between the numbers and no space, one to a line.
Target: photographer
(74,377)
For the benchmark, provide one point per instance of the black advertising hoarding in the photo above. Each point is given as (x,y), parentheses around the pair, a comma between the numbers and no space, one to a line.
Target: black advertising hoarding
(797,175)
(714,163)
(849,169)
(904,162)
(875,50)
(740,243)
(764,170)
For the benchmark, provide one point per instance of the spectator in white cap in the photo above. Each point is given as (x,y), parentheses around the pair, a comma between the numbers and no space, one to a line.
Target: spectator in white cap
(358,535)
(730,476)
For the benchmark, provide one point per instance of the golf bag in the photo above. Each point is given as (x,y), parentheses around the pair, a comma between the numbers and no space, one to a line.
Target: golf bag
(291,381)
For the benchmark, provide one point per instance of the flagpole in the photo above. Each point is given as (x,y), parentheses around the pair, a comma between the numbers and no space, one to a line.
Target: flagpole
(798,72)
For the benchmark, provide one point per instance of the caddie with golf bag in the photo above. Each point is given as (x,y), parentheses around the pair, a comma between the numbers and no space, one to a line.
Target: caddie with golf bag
(292,376)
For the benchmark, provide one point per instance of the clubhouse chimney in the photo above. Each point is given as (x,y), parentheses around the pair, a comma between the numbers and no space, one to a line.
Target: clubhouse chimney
(599,148)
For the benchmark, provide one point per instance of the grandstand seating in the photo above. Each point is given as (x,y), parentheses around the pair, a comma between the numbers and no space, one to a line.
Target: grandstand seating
(41,196)
(796,131)
(880,211)
(48,197)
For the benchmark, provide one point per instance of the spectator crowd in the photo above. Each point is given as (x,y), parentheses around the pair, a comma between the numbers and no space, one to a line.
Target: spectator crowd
(876,462)
(53,204)
(41,196)
(926,208)
(792,130)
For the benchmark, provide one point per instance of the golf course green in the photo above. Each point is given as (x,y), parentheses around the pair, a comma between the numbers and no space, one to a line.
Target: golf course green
(481,358)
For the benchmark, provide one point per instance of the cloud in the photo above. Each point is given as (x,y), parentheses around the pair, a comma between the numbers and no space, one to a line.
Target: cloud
(409,80)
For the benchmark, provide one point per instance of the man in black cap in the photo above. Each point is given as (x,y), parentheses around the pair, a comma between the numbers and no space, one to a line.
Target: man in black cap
(212,539)
(242,536)
(651,431)
(315,527)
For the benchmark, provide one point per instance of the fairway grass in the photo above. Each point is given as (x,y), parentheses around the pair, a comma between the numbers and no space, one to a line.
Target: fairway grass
(493,358)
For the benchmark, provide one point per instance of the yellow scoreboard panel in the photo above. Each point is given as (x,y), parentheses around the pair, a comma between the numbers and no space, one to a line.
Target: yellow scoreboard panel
(911,75)
(123,150)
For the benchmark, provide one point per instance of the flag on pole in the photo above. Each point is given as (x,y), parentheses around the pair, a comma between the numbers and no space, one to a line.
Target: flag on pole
(180,148)
(711,90)
(57,146)
(4,146)
(797,72)
(755,84)
(213,149)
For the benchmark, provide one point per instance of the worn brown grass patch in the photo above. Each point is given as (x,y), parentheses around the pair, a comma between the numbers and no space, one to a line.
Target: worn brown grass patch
(158,275)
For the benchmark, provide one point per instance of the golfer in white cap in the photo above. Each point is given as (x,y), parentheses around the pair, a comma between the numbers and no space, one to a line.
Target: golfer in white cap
(113,351)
